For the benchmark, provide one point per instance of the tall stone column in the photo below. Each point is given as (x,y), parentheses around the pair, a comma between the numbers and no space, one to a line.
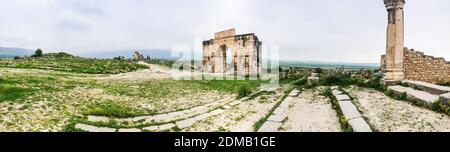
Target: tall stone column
(395,40)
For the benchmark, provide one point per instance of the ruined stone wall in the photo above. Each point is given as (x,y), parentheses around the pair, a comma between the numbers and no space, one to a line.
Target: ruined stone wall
(245,54)
(420,67)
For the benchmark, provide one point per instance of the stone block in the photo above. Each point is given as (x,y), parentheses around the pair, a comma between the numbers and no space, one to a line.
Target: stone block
(166,126)
(270,126)
(186,123)
(399,89)
(90,128)
(422,96)
(445,98)
(130,130)
(336,92)
(349,110)
(277,118)
(280,111)
(428,87)
(151,128)
(216,112)
(359,125)
(342,97)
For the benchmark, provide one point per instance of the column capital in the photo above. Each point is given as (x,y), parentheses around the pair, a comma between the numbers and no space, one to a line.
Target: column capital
(394,4)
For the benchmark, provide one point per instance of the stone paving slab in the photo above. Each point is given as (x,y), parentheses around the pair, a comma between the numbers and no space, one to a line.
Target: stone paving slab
(186,123)
(150,128)
(445,98)
(336,92)
(294,93)
(227,107)
(217,112)
(349,110)
(399,89)
(342,97)
(280,110)
(359,125)
(90,128)
(166,126)
(334,87)
(428,87)
(277,118)
(422,96)
(270,126)
(234,103)
(130,130)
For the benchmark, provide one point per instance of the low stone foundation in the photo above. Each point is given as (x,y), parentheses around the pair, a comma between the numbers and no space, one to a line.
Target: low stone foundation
(421,67)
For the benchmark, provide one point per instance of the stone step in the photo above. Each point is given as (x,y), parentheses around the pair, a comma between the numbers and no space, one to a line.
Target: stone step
(428,87)
(415,95)
(445,98)
(90,128)
(270,126)
(359,125)
(349,110)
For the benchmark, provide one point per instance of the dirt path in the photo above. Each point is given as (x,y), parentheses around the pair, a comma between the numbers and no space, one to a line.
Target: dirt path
(311,112)
(388,115)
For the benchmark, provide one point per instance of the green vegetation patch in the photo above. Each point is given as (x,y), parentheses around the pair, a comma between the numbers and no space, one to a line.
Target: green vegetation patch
(66,62)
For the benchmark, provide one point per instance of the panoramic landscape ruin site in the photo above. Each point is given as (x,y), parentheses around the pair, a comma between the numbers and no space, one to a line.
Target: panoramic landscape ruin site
(61,92)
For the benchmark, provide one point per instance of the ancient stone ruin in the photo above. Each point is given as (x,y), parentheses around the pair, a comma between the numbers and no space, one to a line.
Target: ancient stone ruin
(400,63)
(232,54)
(137,56)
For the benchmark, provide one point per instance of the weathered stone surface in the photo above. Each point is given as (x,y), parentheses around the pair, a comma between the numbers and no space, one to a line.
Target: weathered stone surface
(227,107)
(349,110)
(277,118)
(445,98)
(359,125)
(175,114)
(90,128)
(422,96)
(166,126)
(421,67)
(342,97)
(234,103)
(428,87)
(399,89)
(280,110)
(186,123)
(294,93)
(270,126)
(187,111)
(313,80)
(202,116)
(216,112)
(334,87)
(150,128)
(98,119)
(243,51)
(130,130)
(336,92)
(140,118)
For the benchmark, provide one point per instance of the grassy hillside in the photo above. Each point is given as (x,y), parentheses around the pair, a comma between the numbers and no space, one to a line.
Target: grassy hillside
(66,62)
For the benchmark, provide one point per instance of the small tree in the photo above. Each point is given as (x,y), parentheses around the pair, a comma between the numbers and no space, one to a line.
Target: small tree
(37,53)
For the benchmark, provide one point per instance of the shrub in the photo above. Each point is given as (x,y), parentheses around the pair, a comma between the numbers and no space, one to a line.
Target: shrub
(244,91)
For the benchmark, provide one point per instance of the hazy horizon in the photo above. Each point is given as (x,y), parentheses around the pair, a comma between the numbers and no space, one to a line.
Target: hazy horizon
(349,31)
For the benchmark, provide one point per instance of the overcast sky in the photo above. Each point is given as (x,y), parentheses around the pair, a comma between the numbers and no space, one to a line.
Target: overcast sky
(319,30)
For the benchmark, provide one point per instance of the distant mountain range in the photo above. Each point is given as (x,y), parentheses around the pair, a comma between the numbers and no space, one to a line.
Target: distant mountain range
(10,52)
(153,53)
(328,65)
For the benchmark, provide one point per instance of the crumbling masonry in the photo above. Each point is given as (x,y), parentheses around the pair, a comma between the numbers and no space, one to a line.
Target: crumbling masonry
(400,63)
(232,54)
